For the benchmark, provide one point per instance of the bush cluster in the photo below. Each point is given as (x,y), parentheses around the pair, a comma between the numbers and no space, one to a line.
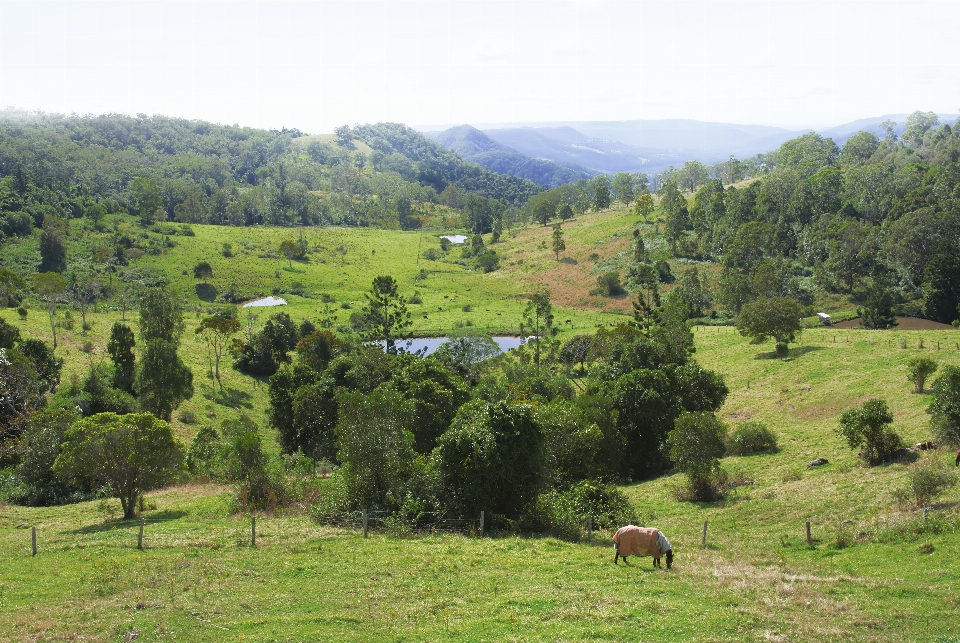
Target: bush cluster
(751,437)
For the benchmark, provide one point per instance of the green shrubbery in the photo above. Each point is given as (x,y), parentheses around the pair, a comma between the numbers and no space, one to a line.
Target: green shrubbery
(868,427)
(945,407)
(567,513)
(926,481)
(696,446)
(751,437)
(235,455)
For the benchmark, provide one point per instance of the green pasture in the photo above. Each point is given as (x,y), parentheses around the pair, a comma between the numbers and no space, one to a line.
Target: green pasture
(875,571)
(495,300)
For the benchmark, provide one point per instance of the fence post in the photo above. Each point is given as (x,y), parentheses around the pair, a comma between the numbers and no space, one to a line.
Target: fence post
(481,524)
(703,541)
(809,539)
(589,528)
(364,523)
(253,530)
(140,535)
(33,541)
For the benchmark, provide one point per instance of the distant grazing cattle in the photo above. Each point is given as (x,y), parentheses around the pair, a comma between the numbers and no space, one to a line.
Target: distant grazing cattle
(641,541)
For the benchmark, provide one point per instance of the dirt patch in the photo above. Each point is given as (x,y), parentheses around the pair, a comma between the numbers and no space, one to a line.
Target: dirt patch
(905,323)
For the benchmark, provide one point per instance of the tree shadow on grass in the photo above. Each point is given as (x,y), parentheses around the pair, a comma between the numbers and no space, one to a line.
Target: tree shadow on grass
(233,398)
(794,353)
(206,292)
(113,525)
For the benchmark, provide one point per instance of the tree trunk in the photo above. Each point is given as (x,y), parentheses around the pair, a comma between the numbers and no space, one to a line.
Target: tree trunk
(53,326)
(127,506)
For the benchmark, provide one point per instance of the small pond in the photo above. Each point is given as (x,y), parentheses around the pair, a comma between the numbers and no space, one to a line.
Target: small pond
(267,301)
(455,238)
(432,343)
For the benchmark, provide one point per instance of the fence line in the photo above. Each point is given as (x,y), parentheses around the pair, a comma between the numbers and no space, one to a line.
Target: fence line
(359,521)
(216,533)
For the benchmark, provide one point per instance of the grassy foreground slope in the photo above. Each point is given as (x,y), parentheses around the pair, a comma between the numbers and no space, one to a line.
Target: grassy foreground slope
(888,574)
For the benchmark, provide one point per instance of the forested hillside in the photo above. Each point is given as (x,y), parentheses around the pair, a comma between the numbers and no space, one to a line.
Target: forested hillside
(877,221)
(167,169)
(874,224)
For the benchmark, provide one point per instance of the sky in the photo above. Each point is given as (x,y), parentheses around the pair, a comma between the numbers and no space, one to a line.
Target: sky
(316,65)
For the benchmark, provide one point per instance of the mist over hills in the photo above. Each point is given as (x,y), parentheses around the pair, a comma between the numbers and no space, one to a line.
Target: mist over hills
(649,146)
(475,146)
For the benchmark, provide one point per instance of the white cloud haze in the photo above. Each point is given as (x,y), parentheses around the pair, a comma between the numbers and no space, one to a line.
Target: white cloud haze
(316,65)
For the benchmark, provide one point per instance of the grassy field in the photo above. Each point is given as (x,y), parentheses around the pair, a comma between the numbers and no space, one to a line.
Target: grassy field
(453,295)
(495,300)
(875,572)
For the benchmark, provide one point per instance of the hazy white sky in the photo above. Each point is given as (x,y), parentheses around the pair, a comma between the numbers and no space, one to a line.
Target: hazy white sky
(316,65)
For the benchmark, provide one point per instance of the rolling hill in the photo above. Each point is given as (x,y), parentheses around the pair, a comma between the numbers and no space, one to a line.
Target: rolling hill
(475,146)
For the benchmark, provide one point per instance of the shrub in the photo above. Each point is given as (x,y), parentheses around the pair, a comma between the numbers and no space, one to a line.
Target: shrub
(22,312)
(928,481)
(696,444)
(38,448)
(844,538)
(868,427)
(566,513)
(609,284)
(261,484)
(945,407)
(206,453)
(9,335)
(431,254)
(751,437)
(490,459)
(488,261)
(663,272)
(919,368)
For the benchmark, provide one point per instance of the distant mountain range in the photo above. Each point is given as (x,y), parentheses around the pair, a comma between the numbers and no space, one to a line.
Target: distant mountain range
(477,147)
(555,153)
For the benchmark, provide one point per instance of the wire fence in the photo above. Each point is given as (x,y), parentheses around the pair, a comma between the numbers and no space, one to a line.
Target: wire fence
(245,530)
(427,522)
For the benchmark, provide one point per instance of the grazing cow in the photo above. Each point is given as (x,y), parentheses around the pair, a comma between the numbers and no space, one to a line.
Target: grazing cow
(641,541)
